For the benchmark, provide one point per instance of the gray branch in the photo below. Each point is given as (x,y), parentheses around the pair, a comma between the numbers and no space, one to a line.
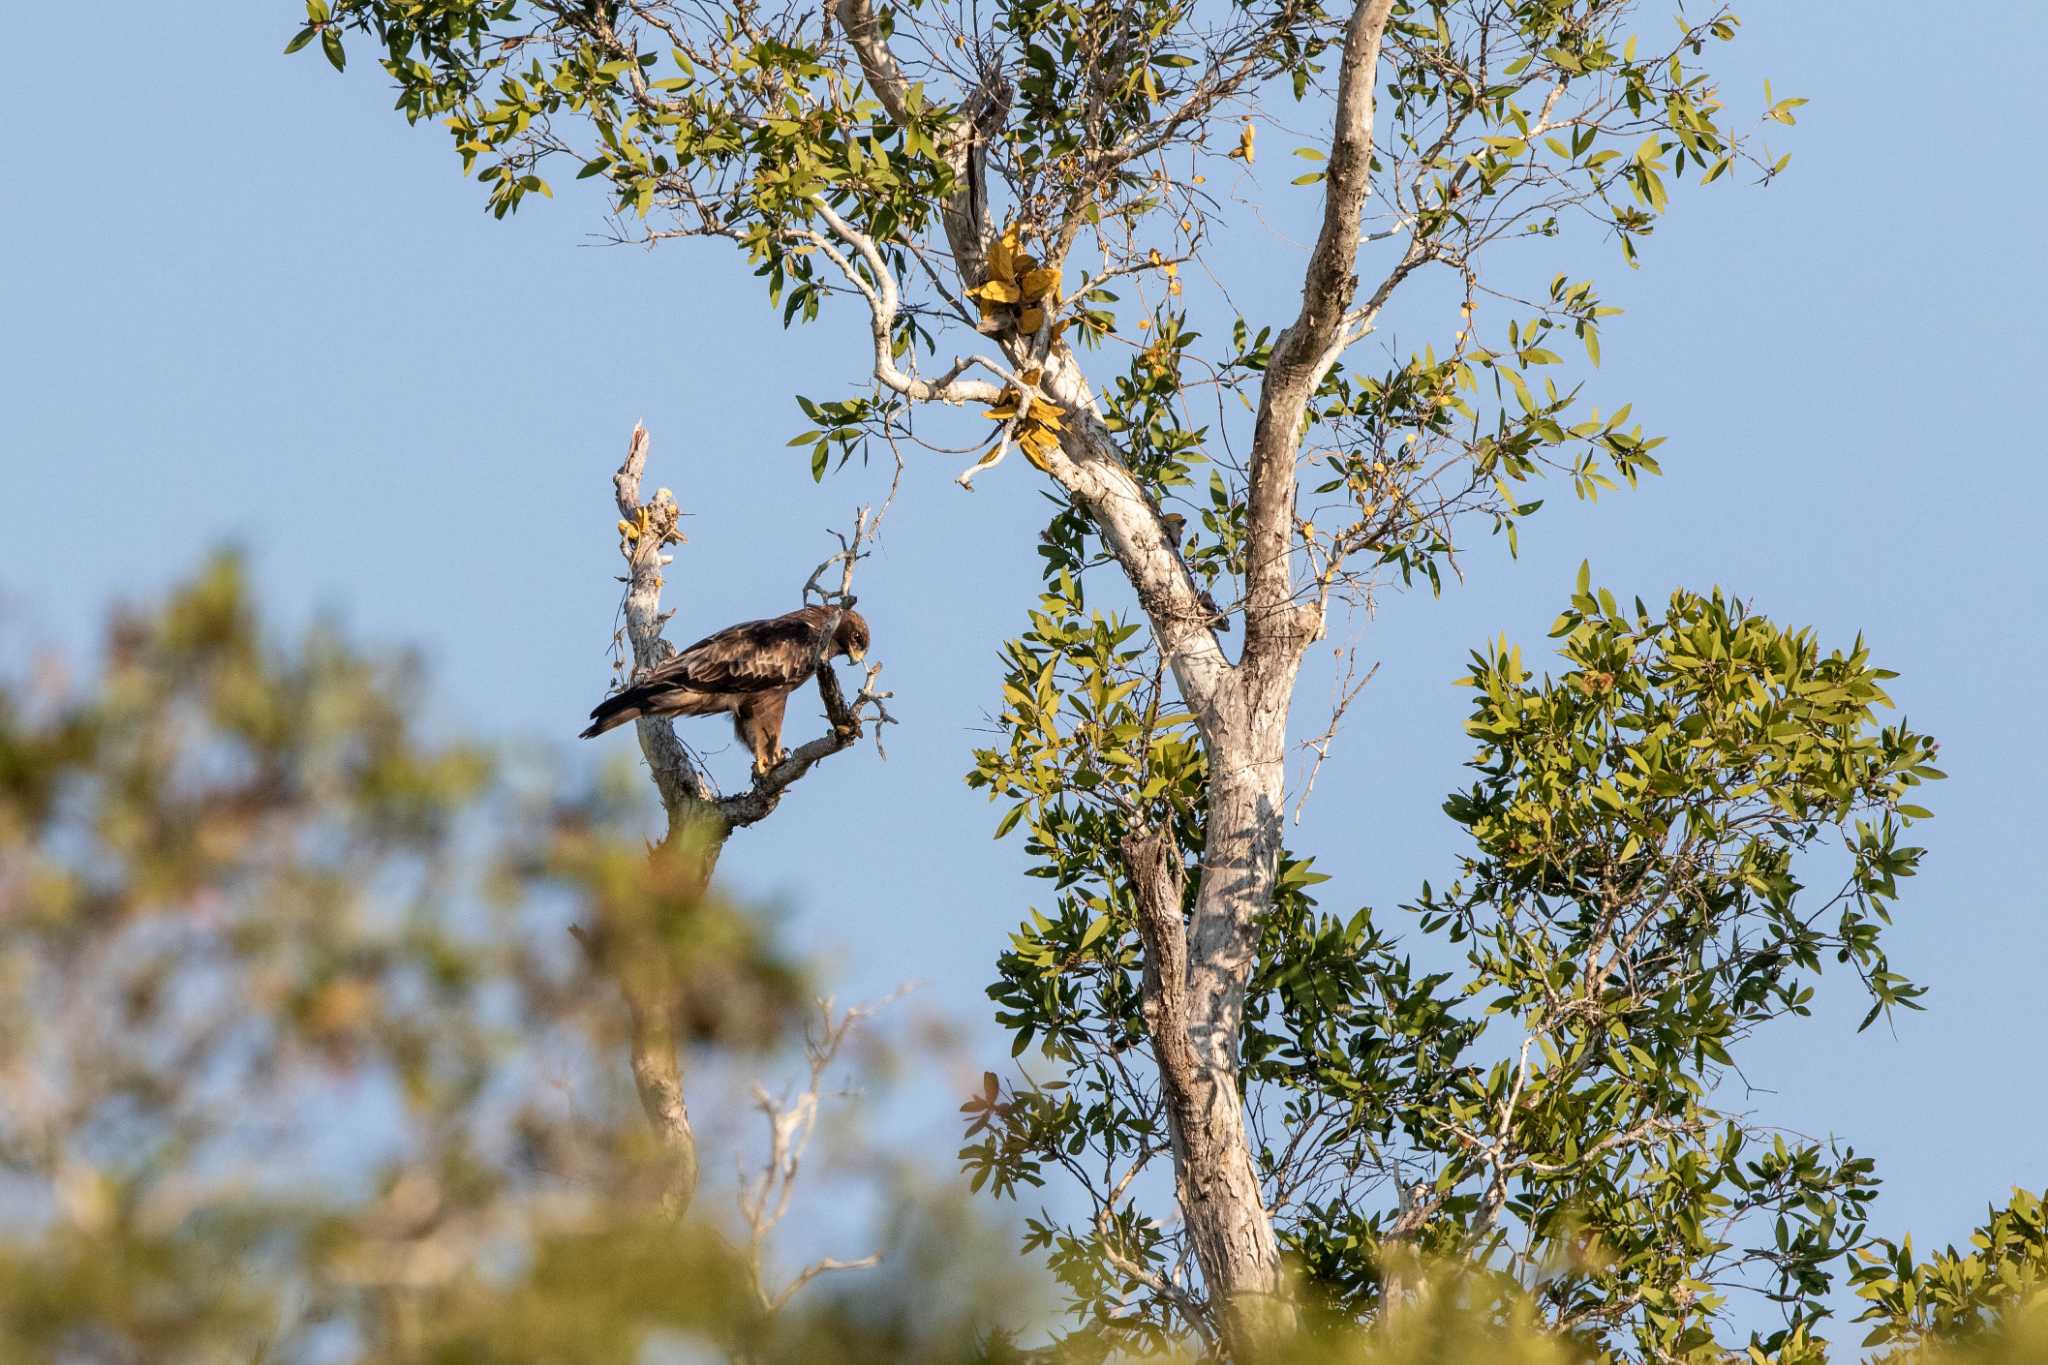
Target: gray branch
(699,819)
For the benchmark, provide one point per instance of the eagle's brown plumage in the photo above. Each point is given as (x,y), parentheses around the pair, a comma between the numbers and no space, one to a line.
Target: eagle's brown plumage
(747,671)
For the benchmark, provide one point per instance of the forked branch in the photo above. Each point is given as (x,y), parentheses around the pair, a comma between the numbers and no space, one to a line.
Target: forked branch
(699,819)
(765,1195)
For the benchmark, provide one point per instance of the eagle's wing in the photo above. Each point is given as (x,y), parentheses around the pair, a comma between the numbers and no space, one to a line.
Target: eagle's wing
(753,656)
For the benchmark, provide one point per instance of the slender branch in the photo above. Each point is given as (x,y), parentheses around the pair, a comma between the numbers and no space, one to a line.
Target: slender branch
(1344,692)
(878,286)
(764,1199)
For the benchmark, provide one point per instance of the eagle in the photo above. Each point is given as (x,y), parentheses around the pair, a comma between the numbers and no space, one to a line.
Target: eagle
(747,670)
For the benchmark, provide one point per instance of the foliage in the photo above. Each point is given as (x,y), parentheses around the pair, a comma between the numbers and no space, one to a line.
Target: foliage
(1633,911)
(753,123)
(1993,1297)
(298,1060)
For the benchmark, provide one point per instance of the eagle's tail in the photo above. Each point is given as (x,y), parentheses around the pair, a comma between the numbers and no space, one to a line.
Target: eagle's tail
(616,710)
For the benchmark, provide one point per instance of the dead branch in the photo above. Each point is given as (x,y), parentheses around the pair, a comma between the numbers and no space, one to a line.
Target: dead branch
(699,819)
(764,1198)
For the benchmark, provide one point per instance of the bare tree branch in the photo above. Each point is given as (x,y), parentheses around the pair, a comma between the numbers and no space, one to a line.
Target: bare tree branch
(648,529)
(764,1198)
(699,819)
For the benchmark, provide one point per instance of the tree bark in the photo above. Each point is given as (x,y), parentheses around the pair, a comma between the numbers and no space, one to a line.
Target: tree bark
(1216,1183)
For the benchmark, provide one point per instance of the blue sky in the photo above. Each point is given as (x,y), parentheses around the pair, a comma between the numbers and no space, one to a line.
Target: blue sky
(245,302)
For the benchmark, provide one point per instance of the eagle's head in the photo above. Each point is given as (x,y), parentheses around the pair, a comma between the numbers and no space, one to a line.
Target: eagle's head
(852,636)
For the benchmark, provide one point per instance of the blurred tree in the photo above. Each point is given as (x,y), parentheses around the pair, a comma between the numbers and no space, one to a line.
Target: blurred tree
(297,1060)
(1990,1302)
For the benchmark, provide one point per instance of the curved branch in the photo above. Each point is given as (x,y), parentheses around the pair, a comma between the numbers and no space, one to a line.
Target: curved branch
(878,286)
(847,719)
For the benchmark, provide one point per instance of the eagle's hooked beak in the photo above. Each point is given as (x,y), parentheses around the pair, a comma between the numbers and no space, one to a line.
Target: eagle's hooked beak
(856,653)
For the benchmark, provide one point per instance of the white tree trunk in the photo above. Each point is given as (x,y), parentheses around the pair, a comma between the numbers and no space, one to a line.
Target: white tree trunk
(1194,1005)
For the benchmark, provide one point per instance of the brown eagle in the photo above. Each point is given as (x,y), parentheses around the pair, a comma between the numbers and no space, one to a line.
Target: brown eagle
(748,670)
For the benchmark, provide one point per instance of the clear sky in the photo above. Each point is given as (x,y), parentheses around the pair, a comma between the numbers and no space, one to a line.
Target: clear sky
(244,301)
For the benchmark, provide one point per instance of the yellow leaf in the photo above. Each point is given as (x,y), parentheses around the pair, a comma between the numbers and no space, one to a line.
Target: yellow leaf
(1003,411)
(1002,255)
(1037,284)
(1244,150)
(1031,320)
(1033,375)
(1037,443)
(995,291)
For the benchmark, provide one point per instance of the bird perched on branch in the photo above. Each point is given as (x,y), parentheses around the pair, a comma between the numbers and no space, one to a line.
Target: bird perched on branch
(746,671)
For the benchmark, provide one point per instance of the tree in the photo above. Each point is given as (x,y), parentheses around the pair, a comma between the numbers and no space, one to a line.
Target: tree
(1017,206)
(296,1057)
(1633,909)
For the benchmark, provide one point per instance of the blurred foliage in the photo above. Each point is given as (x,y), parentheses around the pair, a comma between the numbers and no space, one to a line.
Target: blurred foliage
(298,1059)
(1987,1303)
